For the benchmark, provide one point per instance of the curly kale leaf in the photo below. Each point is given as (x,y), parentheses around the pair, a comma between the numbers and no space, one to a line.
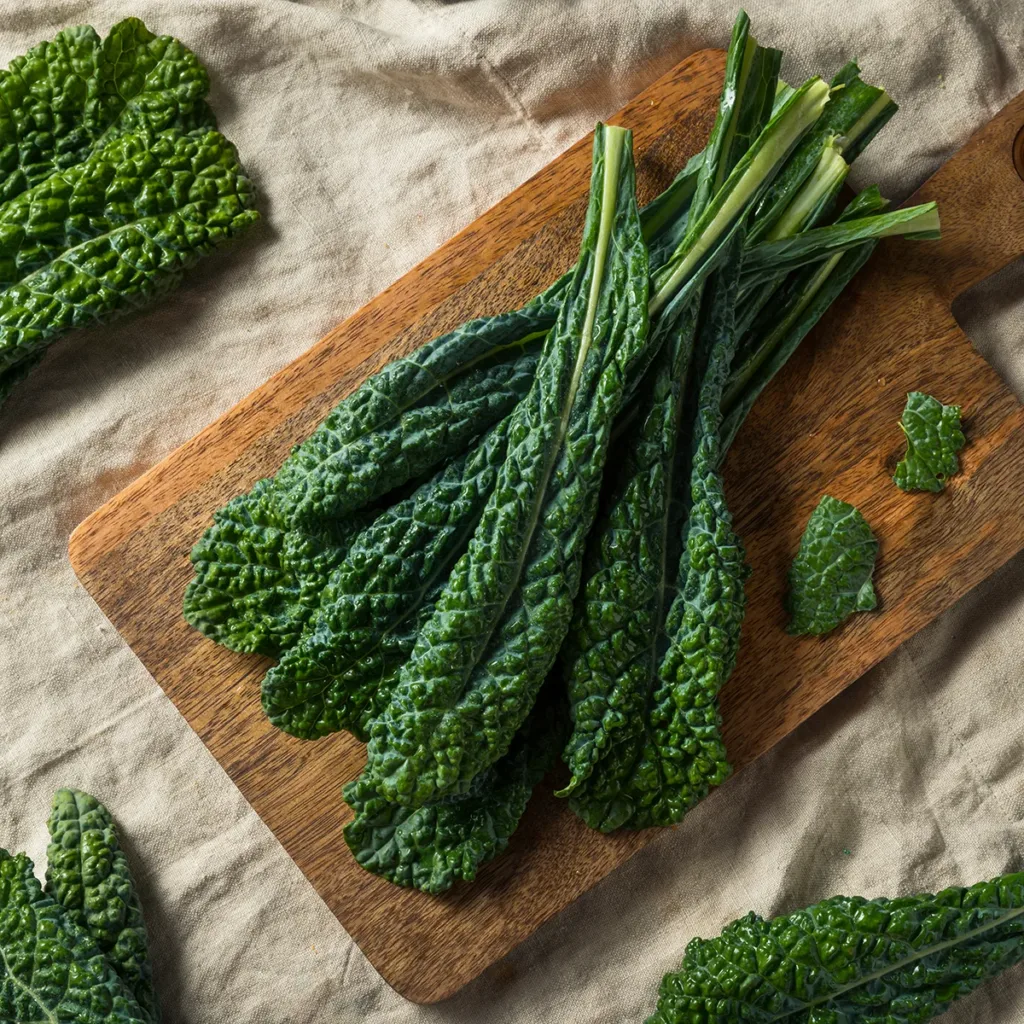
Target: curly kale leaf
(341,671)
(830,578)
(66,98)
(849,960)
(258,581)
(933,439)
(87,873)
(646,745)
(480,659)
(189,195)
(432,847)
(51,970)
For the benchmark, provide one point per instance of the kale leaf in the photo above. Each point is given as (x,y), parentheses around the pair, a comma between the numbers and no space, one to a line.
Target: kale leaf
(69,97)
(87,873)
(647,748)
(432,847)
(830,578)
(258,581)
(933,439)
(113,183)
(850,960)
(341,671)
(480,659)
(136,235)
(51,967)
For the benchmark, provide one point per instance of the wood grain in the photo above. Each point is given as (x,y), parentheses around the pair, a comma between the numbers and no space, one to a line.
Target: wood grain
(828,423)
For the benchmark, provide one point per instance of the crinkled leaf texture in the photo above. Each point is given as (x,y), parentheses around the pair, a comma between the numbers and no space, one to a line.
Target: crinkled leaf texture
(70,96)
(849,960)
(646,745)
(432,847)
(125,227)
(416,412)
(257,580)
(933,438)
(830,578)
(341,672)
(51,970)
(87,873)
(113,182)
(480,659)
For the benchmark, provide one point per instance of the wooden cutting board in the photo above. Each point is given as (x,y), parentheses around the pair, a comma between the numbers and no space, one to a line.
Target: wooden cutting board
(828,423)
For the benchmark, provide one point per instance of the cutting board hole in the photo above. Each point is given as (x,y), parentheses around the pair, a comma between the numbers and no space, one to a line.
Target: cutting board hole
(1018,153)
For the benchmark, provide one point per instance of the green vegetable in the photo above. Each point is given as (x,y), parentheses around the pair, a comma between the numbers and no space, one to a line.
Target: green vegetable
(849,960)
(431,847)
(258,581)
(341,671)
(830,578)
(87,874)
(113,183)
(68,98)
(933,439)
(75,953)
(497,626)
(644,677)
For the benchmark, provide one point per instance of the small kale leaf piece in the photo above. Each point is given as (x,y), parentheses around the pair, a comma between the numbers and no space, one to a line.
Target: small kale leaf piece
(830,578)
(432,847)
(87,873)
(933,439)
(51,970)
(258,581)
(849,960)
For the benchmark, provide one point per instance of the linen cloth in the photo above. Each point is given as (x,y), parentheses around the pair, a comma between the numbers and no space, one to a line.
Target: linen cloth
(374,131)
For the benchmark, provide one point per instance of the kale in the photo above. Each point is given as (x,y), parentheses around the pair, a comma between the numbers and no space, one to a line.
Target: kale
(67,98)
(258,580)
(830,578)
(75,952)
(113,183)
(480,659)
(87,873)
(933,438)
(850,960)
(431,847)
(646,748)
(340,673)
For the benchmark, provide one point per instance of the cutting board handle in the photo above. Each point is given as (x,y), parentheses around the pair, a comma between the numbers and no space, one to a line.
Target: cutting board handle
(980,192)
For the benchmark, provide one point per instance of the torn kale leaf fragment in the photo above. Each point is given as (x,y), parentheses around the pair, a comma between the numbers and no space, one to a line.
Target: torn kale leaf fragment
(830,578)
(933,438)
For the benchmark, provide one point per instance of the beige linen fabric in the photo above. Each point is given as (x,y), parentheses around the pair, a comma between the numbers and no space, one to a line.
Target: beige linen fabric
(374,130)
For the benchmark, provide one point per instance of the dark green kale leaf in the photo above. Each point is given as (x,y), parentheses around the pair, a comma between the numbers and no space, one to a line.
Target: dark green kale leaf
(933,439)
(646,745)
(830,578)
(87,873)
(341,671)
(416,412)
(480,659)
(67,98)
(51,970)
(257,580)
(133,238)
(432,847)
(849,960)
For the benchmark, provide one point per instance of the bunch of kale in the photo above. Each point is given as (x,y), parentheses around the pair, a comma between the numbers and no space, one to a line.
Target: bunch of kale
(113,183)
(448,541)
